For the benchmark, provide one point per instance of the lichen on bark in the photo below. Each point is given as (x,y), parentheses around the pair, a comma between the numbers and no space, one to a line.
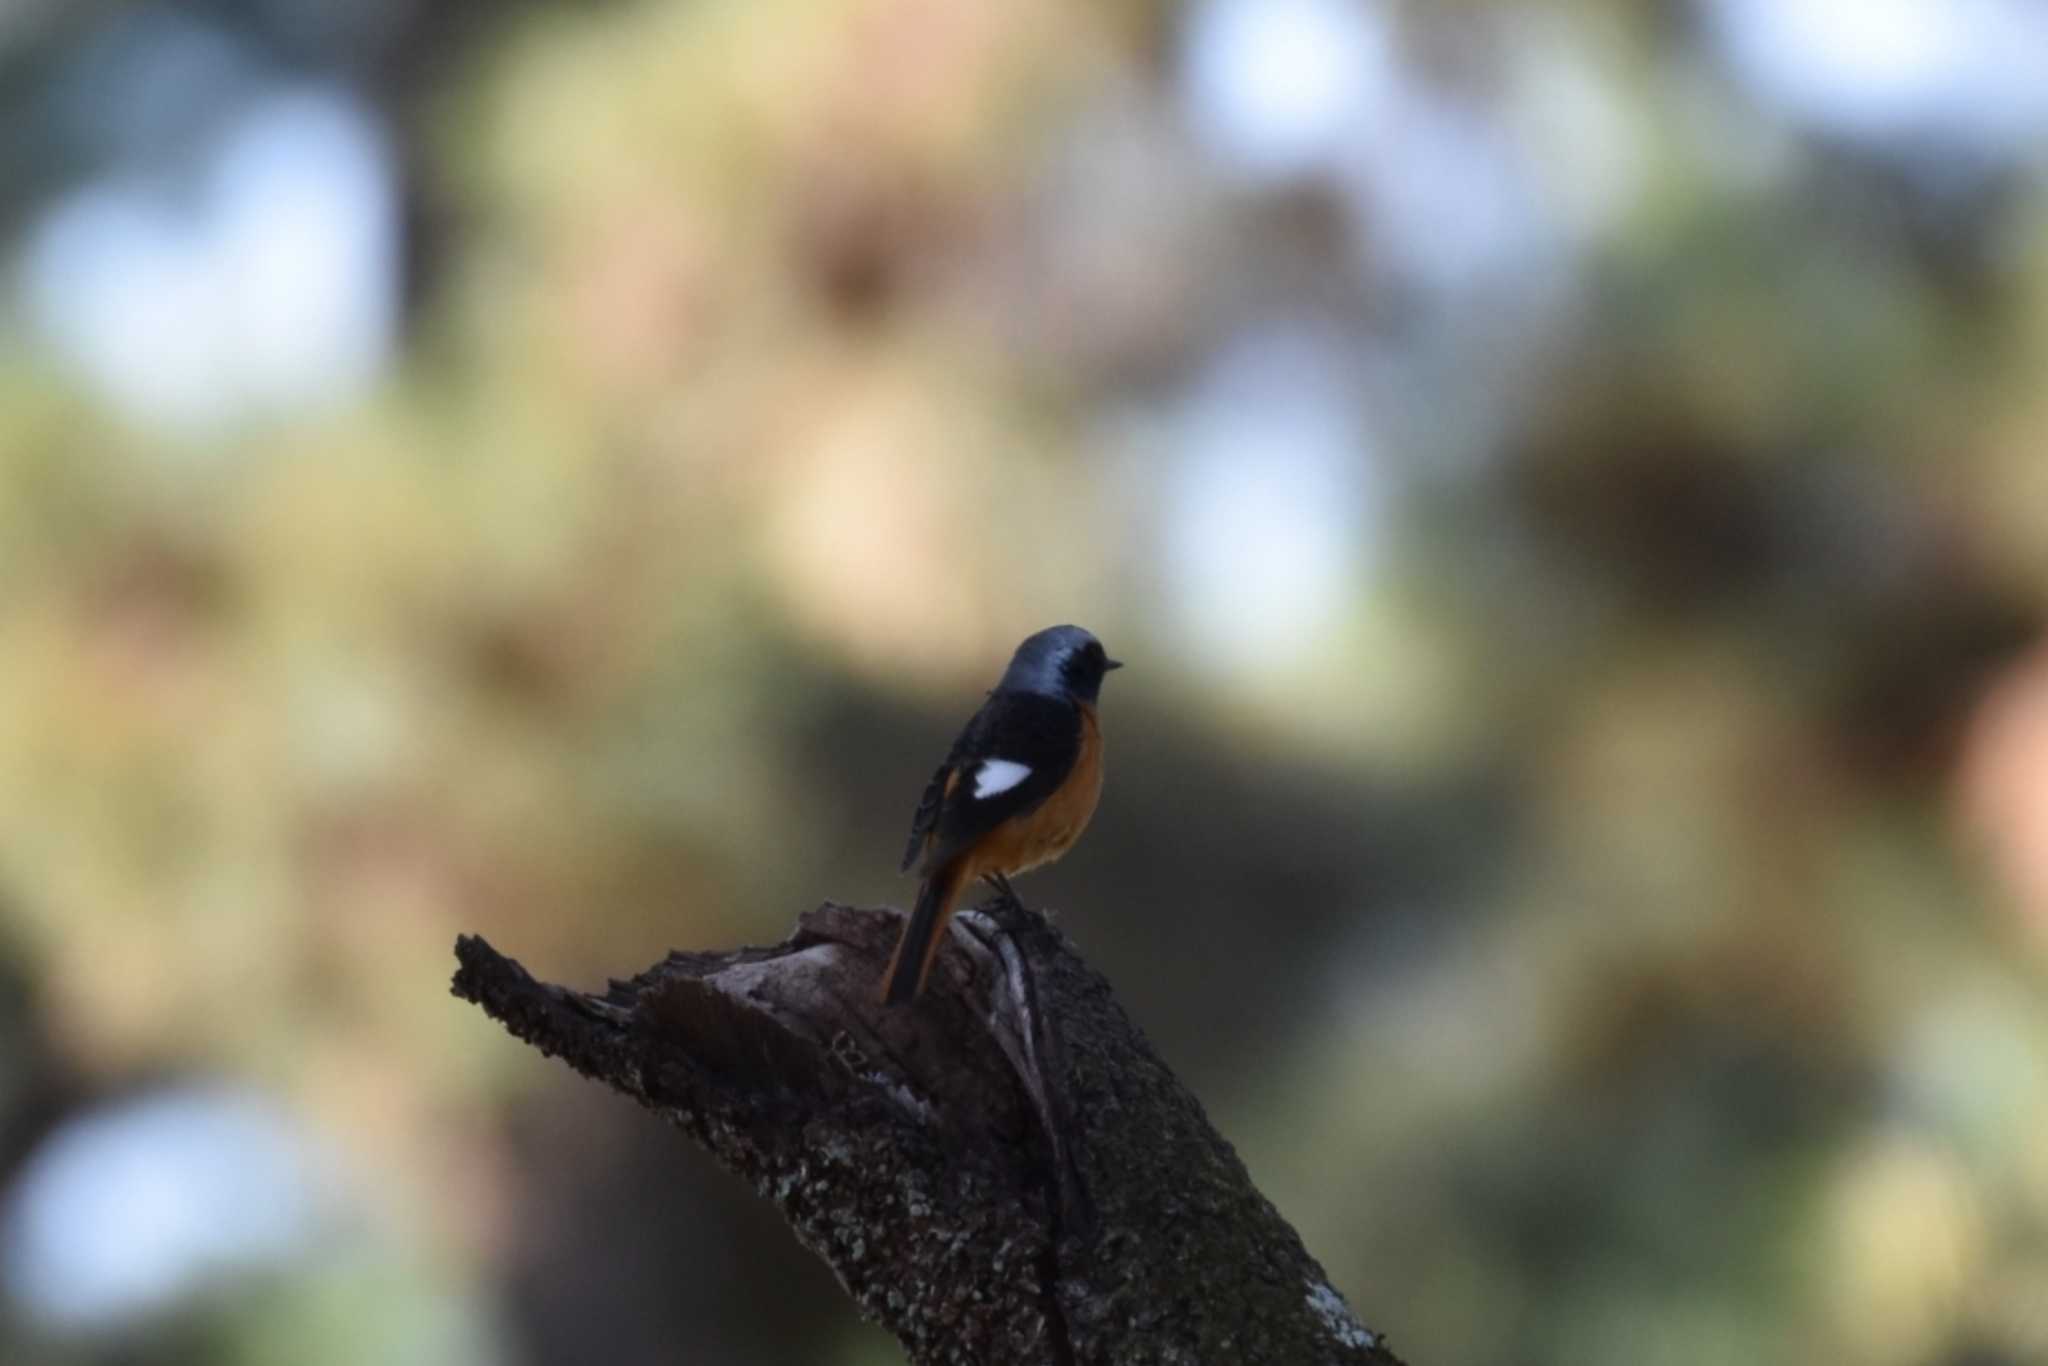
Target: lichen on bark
(1002,1172)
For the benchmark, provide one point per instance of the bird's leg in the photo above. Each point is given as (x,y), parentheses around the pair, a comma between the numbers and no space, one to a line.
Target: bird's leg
(1005,891)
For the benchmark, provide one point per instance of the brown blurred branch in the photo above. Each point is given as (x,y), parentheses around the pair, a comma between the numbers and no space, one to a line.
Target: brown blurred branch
(1004,1172)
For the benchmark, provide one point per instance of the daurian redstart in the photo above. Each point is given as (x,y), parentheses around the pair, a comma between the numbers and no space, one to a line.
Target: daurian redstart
(1016,790)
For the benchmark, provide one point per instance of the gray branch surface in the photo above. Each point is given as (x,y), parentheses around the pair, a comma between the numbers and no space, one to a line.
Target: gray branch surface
(1002,1173)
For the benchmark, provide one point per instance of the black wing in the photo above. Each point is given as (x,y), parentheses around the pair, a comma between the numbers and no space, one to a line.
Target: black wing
(1042,733)
(927,813)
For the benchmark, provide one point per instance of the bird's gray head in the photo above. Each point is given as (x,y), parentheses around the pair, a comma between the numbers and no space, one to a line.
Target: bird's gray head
(1060,661)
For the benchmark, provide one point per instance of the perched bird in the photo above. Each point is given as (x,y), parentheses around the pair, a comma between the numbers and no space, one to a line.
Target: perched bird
(1016,790)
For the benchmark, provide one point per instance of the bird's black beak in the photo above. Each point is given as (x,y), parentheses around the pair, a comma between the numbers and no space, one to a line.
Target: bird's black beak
(1109,664)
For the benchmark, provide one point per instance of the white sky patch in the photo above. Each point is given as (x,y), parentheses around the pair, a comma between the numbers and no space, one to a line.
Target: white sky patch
(129,1208)
(998,775)
(1445,201)
(1267,506)
(1439,194)
(264,281)
(1277,87)
(1337,1316)
(1971,73)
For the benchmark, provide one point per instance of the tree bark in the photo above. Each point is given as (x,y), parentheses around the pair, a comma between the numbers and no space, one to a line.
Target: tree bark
(1003,1173)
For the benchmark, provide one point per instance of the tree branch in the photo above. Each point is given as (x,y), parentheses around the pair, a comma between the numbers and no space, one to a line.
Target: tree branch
(1002,1173)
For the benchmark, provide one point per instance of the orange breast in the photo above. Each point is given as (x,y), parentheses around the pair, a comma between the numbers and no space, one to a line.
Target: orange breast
(1050,829)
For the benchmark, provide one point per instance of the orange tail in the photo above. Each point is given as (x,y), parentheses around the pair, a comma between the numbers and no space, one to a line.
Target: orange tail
(923,933)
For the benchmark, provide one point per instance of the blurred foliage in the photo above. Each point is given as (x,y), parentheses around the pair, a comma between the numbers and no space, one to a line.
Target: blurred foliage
(1628,914)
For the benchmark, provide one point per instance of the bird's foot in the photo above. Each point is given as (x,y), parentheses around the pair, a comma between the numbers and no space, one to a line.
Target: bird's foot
(1006,895)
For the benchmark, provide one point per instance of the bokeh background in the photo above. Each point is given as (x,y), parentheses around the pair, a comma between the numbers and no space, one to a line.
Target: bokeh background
(1570,482)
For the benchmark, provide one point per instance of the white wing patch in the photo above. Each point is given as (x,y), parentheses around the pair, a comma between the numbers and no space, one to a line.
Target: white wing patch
(998,775)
